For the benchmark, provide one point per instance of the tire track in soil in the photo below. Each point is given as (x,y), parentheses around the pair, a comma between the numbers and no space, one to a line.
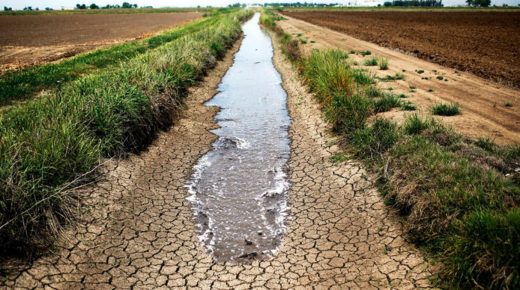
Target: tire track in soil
(138,231)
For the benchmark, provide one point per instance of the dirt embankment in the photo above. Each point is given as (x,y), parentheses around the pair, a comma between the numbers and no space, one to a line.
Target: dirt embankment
(33,39)
(484,43)
(488,110)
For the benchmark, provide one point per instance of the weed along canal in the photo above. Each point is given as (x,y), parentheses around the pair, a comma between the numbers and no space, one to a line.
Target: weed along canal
(239,189)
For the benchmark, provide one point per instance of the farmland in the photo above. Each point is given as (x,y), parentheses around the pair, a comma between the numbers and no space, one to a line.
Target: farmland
(483,43)
(451,201)
(244,148)
(35,39)
(488,108)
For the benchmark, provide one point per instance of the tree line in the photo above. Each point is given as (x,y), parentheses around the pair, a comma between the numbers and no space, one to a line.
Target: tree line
(479,3)
(301,4)
(125,5)
(414,3)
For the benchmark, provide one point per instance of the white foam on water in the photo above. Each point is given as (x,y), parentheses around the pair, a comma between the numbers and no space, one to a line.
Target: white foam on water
(198,169)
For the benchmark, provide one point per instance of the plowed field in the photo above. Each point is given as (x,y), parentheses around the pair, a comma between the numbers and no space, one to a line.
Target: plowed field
(33,39)
(483,43)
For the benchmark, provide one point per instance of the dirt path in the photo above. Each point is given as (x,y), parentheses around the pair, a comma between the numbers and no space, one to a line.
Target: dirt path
(483,103)
(139,231)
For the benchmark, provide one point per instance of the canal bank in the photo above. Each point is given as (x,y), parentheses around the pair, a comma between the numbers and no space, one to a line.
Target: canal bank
(138,228)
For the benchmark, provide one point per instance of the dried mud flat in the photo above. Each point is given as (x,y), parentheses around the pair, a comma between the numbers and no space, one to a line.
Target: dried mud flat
(483,43)
(482,102)
(139,232)
(34,39)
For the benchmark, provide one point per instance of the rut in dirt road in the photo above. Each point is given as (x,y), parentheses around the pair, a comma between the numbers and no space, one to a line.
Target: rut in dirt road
(139,231)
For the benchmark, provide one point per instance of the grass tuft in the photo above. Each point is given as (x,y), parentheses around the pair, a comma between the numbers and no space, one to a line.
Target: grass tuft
(373,92)
(445,109)
(371,61)
(383,63)
(389,78)
(371,142)
(386,103)
(408,106)
(415,125)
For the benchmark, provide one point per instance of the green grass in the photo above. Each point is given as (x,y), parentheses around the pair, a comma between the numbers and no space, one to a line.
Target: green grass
(54,142)
(390,78)
(407,106)
(445,109)
(373,92)
(459,199)
(25,83)
(362,77)
(383,63)
(415,125)
(371,61)
(371,142)
(440,194)
(386,103)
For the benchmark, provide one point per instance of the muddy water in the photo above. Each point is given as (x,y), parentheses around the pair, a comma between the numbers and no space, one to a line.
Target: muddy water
(239,188)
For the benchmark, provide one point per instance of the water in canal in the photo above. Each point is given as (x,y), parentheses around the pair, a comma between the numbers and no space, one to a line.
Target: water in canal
(239,189)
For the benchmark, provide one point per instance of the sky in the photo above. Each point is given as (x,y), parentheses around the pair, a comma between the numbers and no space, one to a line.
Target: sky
(57,4)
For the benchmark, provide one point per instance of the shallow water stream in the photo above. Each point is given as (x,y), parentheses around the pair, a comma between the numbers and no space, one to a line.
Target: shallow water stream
(239,188)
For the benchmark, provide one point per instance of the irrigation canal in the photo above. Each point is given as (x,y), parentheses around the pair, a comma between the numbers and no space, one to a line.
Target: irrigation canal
(239,188)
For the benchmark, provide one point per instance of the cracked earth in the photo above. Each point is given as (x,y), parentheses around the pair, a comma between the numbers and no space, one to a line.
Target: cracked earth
(137,231)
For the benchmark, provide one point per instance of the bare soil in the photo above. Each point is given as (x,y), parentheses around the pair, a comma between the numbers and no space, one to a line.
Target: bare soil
(484,43)
(33,39)
(489,110)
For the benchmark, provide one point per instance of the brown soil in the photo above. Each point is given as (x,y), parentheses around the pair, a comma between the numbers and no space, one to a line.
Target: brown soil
(137,230)
(484,43)
(489,110)
(32,39)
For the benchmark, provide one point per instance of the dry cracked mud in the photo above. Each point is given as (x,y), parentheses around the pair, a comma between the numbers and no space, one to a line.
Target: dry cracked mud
(137,229)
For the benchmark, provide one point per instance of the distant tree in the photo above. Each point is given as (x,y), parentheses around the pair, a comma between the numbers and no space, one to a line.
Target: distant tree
(48,9)
(93,6)
(126,5)
(135,5)
(478,3)
(415,3)
(81,6)
(28,8)
(485,3)
(8,8)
